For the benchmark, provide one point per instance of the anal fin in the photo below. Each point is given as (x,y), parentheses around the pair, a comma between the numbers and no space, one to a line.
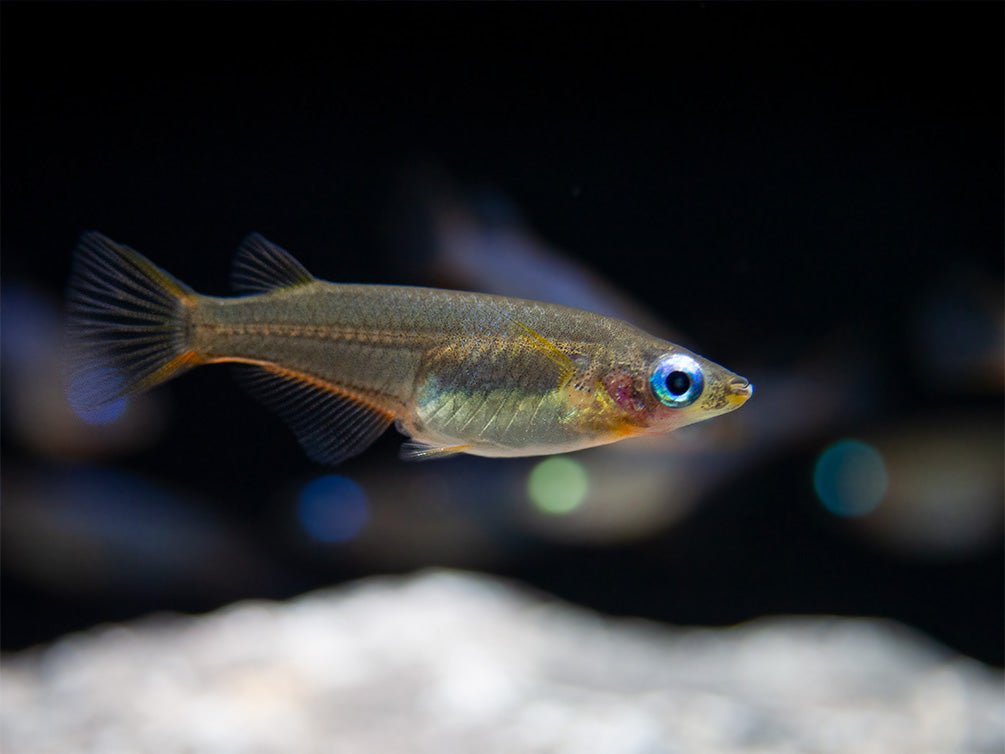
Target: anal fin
(331,425)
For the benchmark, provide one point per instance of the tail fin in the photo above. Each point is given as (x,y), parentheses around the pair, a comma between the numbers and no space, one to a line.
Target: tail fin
(128,324)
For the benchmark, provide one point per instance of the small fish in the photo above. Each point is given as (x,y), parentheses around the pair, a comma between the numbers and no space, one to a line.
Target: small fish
(456,372)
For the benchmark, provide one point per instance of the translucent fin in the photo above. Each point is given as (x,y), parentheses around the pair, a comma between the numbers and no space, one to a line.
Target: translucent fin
(127,324)
(413,450)
(331,425)
(541,344)
(261,266)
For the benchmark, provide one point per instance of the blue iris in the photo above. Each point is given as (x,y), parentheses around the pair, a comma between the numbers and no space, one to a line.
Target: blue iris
(677,381)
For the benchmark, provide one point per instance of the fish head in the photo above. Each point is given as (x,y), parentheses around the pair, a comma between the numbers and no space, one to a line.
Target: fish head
(666,387)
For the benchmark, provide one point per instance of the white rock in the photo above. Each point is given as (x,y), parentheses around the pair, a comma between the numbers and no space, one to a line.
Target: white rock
(444,662)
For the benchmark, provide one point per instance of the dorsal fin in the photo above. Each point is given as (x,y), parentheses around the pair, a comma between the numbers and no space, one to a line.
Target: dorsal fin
(261,266)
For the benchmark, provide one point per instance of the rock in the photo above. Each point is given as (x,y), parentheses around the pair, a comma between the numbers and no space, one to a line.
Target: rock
(448,662)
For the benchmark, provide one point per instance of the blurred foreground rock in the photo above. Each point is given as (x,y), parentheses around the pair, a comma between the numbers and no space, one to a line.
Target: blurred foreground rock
(445,662)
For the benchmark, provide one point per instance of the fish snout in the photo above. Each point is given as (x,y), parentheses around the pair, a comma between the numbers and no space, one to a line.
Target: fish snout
(740,390)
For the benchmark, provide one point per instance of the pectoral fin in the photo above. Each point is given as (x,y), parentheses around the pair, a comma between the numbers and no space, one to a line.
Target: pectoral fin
(549,350)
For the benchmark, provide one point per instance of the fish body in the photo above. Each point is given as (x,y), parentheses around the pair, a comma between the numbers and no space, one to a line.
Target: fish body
(457,372)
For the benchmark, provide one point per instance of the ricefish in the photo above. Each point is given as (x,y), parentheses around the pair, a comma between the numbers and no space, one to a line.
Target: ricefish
(456,372)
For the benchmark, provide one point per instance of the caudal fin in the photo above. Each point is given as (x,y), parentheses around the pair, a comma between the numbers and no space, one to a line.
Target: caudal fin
(128,324)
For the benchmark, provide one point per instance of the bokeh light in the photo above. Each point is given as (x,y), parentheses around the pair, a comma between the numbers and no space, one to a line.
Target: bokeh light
(558,485)
(850,478)
(333,508)
(85,391)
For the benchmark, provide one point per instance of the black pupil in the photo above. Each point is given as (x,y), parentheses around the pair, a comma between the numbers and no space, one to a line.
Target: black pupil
(678,383)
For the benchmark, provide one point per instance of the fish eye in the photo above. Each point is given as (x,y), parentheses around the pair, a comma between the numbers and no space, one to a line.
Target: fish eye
(677,380)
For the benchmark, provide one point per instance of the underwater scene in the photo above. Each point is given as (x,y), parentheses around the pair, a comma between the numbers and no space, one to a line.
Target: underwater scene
(525,377)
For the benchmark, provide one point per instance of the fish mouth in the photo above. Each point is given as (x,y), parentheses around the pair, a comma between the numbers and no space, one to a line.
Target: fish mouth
(740,389)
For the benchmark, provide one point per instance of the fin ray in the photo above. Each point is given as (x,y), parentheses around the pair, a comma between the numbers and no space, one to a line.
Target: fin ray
(413,450)
(127,324)
(261,266)
(330,424)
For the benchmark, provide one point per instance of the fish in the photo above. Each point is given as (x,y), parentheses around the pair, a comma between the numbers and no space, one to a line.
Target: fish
(456,372)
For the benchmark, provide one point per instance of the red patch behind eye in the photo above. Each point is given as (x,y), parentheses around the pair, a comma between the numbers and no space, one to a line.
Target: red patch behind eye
(621,387)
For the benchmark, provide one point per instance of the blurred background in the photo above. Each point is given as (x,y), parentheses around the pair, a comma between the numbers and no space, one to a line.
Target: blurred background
(809,195)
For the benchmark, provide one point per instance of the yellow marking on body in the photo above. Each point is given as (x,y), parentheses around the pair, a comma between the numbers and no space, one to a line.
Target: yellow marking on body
(624,428)
(600,394)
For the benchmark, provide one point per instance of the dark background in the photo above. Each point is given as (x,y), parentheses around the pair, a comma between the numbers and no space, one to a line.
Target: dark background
(764,176)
